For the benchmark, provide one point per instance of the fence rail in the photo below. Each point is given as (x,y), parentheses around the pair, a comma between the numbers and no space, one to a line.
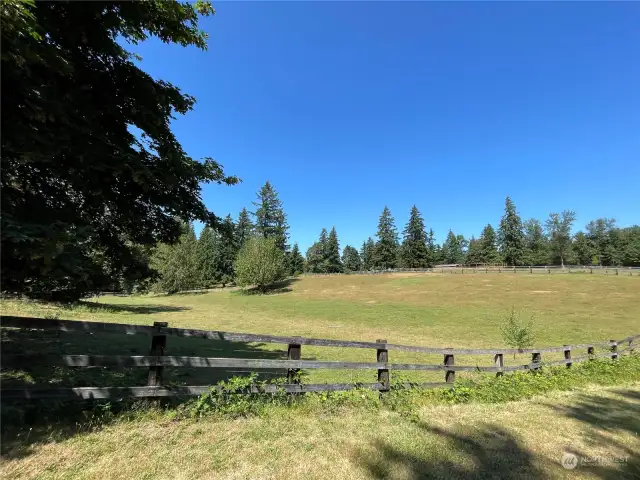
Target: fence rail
(157,360)
(534,269)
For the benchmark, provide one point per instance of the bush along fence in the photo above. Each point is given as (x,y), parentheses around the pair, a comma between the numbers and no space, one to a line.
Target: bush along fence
(157,360)
(466,269)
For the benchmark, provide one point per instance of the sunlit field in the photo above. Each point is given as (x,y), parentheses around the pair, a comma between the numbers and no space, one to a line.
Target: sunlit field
(413,309)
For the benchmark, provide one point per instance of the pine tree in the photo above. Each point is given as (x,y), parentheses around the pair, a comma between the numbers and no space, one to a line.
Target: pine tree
(488,249)
(414,245)
(559,231)
(386,252)
(207,256)
(510,235)
(296,261)
(454,249)
(244,228)
(324,241)
(474,253)
(433,250)
(271,221)
(351,259)
(315,258)
(332,261)
(226,252)
(366,254)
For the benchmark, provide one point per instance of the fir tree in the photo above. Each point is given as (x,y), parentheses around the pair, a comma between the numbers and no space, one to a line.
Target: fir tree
(351,259)
(487,244)
(315,258)
(474,253)
(332,261)
(366,254)
(244,228)
(414,245)
(296,261)
(510,235)
(454,249)
(433,250)
(207,257)
(226,252)
(386,252)
(271,221)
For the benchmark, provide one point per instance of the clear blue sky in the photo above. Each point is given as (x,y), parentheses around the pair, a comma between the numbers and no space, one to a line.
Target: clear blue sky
(347,107)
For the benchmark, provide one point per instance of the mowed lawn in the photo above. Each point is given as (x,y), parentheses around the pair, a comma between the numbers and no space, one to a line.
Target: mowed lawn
(450,310)
(500,441)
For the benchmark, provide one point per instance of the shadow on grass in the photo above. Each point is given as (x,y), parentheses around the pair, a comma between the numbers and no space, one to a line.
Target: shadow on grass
(272,289)
(126,308)
(491,451)
(604,417)
(27,422)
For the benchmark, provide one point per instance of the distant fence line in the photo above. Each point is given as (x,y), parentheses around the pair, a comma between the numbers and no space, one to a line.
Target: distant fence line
(157,360)
(466,269)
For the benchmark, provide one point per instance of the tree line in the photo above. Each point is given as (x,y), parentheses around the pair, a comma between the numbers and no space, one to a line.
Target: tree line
(212,257)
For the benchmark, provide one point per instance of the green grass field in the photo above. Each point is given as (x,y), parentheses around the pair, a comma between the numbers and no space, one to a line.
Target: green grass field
(504,440)
(414,309)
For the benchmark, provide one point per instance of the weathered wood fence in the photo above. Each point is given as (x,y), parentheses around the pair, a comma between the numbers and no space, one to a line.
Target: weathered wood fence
(157,360)
(467,269)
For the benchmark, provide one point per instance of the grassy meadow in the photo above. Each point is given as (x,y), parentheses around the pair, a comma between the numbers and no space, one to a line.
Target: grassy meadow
(464,311)
(473,440)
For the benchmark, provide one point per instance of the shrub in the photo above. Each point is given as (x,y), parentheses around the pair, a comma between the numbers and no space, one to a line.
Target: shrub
(517,334)
(260,262)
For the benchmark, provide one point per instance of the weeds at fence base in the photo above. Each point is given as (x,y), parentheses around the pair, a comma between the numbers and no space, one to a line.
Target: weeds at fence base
(229,399)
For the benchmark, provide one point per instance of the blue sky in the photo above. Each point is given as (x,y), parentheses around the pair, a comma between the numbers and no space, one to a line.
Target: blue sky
(348,107)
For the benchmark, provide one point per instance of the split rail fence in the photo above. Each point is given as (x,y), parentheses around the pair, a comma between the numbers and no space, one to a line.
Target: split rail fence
(157,360)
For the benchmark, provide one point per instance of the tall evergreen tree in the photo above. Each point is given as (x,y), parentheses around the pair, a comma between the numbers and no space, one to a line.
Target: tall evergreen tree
(315,258)
(244,228)
(324,242)
(474,252)
(414,245)
(207,256)
(488,248)
(226,252)
(386,251)
(454,249)
(510,235)
(271,221)
(332,261)
(296,261)
(559,231)
(433,249)
(366,254)
(351,259)
(536,243)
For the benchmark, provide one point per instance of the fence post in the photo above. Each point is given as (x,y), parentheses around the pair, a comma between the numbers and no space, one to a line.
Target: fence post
(382,356)
(294,352)
(530,269)
(567,355)
(614,350)
(498,360)
(548,270)
(631,349)
(514,269)
(449,361)
(158,345)
(591,271)
(590,352)
(536,357)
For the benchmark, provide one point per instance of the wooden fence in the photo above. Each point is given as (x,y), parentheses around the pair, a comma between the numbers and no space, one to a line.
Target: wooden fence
(157,360)
(467,269)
